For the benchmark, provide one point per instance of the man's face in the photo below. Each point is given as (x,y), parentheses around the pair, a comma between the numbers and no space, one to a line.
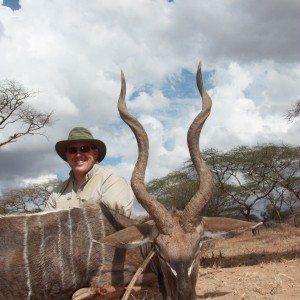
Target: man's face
(81,157)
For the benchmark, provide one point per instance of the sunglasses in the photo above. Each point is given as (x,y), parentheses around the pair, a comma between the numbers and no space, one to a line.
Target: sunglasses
(82,149)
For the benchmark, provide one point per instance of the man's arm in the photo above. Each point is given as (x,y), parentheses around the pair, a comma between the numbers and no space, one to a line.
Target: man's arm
(117,193)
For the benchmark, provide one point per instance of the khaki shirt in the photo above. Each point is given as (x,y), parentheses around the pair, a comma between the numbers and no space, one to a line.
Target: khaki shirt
(101,185)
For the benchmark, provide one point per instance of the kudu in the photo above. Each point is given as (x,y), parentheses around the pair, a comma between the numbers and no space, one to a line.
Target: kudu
(51,255)
(176,235)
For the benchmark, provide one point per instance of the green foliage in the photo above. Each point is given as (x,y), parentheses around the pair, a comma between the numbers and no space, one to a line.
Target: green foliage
(244,178)
(173,190)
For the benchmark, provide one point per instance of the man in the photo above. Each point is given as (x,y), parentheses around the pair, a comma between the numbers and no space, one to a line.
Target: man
(88,182)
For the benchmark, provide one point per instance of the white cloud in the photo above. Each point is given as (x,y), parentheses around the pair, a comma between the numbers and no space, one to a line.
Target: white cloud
(39,180)
(149,103)
(245,120)
(72,52)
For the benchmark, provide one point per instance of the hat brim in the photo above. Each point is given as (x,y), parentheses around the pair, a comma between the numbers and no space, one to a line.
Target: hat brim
(61,147)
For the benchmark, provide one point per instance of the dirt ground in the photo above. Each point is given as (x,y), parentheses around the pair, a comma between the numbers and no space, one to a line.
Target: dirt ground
(264,266)
(272,281)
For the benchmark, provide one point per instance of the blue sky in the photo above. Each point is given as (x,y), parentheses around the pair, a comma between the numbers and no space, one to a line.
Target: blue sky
(72,52)
(176,87)
(13,4)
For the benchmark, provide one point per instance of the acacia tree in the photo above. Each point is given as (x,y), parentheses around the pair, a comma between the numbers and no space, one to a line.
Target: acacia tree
(293,112)
(18,118)
(173,190)
(239,195)
(178,187)
(245,176)
(27,199)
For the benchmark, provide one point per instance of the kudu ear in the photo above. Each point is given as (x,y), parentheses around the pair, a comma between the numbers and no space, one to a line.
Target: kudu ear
(132,236)
(222,228)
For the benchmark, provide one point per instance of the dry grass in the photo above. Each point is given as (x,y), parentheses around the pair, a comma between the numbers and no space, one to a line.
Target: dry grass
(268,246)
(272,281)
(265,266)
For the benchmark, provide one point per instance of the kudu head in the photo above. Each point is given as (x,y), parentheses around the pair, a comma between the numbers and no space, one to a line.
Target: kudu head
(176,236)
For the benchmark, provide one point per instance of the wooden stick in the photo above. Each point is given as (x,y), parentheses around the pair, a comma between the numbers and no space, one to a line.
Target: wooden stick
(137,273)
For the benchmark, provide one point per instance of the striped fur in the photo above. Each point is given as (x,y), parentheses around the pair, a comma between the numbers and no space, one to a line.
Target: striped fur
(51,255)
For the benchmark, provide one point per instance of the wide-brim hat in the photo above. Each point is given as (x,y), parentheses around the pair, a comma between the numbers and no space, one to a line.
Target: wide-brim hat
(80,134)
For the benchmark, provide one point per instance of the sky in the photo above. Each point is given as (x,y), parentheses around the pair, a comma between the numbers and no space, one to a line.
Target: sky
(72,52)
